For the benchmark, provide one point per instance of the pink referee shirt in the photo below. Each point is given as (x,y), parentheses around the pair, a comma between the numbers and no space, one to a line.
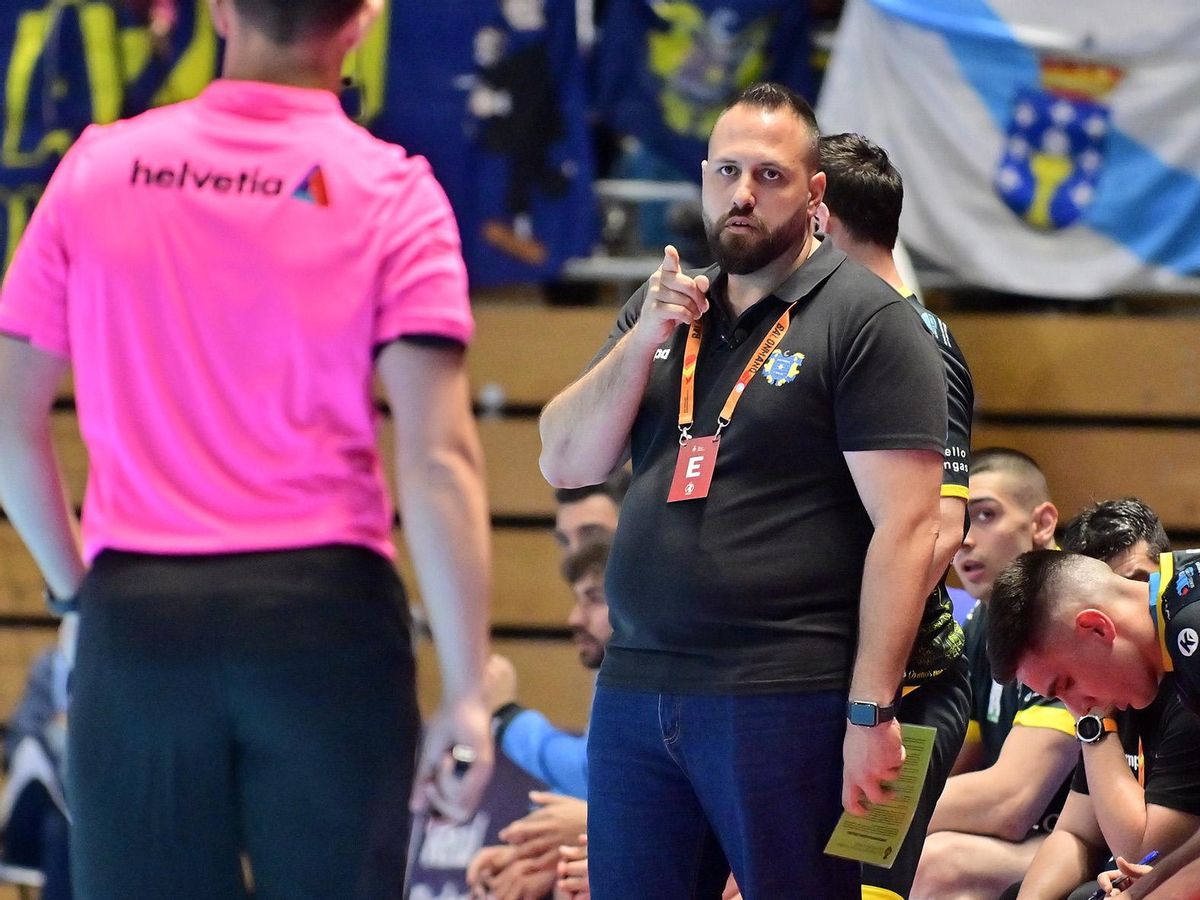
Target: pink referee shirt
(219,272)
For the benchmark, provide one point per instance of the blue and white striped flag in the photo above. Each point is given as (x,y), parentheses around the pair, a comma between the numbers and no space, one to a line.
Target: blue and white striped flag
(1048,147)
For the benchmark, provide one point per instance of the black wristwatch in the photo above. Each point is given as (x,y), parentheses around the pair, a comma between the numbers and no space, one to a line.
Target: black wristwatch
(867,714)
(1090,729)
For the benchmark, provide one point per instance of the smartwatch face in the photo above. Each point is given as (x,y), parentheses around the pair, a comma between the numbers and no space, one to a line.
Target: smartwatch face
(1089,728)
(860,713)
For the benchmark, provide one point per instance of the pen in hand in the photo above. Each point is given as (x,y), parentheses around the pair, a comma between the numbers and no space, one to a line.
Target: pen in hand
(1122,881)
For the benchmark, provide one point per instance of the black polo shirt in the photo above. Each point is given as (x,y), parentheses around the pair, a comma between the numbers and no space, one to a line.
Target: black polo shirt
(939,637)
(1173,593)
(755,588)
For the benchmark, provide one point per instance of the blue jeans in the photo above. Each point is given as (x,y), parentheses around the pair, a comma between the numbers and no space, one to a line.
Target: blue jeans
(682,788)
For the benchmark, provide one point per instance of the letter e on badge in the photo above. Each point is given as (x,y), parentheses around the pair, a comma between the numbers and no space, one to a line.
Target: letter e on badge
(694,469)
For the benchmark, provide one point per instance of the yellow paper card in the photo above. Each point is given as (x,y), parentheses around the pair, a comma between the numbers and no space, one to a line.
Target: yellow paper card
(876,837)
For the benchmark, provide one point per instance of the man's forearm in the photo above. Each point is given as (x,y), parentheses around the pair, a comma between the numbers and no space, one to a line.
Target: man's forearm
(585,429)
(1118,799)
(1063,862)
(893,597)
(547,753)
(967,805)
(446,527)
(32,493)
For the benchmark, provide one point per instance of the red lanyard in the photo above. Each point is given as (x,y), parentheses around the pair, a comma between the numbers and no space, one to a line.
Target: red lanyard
(687,381)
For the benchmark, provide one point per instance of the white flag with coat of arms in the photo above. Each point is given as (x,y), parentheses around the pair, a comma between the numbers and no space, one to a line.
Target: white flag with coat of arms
(1048,147)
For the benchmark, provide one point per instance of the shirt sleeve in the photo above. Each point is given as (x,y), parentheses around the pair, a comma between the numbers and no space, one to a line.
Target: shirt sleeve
(1036,711)
(890,391)
(549,754)
(960,402)
(423,289)
(626,319)
(33,304)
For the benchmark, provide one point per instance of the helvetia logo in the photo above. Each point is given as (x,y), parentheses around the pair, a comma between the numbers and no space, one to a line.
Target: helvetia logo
(187,176)
(312,189)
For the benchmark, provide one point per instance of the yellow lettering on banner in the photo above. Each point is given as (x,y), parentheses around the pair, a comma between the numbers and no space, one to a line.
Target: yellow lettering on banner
(98,29)
(197,64)
(367,65)
(137,46)
(98,25)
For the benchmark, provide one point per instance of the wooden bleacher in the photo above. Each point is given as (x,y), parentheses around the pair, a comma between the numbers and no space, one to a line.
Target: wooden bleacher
(1107,403)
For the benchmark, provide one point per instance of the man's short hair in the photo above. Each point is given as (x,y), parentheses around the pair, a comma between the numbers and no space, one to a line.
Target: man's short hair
(1031,489)
(613,487)
(286,21)
(589,557)
(1020,607)
(770,95)
(863,189)
(1113,526)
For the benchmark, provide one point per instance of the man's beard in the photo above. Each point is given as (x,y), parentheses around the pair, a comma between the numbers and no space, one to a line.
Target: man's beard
(591,651)
(743,254)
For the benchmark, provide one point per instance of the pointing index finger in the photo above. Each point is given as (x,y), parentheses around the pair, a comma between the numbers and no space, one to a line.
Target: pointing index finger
(670,261)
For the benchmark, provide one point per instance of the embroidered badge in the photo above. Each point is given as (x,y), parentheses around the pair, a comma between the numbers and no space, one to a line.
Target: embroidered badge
(782,368)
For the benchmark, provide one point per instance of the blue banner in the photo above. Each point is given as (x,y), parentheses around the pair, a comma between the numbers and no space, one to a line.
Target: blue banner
(492,93)
(67,65)
(666,68)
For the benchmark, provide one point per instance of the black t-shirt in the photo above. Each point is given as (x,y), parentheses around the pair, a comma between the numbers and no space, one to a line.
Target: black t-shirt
(939,638)
(1161,744)
(1173,594)
(755,587)
(996,708)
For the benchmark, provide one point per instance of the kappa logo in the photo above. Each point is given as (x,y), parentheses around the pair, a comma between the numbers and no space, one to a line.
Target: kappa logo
(312,188)
(1188,641)
(662,352)
(782,368)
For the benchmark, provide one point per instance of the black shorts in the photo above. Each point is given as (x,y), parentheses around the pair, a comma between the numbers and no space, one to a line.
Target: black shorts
(255,703)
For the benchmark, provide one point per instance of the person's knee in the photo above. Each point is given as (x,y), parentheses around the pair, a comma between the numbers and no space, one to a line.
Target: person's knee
(943,866)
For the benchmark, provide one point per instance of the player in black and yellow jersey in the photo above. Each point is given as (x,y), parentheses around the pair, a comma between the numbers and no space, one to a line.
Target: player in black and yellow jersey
(863,195)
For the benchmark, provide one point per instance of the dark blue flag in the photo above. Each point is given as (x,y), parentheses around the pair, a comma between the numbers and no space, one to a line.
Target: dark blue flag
(492,93)
(666,68)
(67,65)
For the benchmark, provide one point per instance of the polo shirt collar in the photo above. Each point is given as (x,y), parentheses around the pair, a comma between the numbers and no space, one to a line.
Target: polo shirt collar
(819,266)
(266,100)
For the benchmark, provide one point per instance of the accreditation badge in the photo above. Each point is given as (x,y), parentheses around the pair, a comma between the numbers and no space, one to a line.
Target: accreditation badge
(694,469)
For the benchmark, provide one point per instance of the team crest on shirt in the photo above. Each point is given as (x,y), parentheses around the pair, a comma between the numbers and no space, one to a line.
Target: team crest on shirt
(782,368)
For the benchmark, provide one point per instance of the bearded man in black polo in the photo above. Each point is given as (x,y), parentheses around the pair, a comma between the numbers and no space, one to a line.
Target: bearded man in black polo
(785,412)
